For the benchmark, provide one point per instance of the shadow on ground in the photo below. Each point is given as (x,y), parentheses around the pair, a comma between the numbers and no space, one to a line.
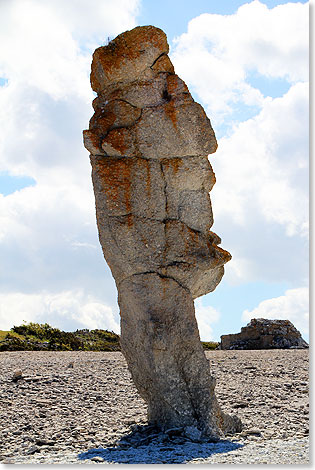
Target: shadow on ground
(159,453)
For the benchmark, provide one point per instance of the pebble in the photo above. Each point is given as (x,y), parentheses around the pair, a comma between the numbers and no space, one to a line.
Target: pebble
(17,375)
(193,433)
(76,415)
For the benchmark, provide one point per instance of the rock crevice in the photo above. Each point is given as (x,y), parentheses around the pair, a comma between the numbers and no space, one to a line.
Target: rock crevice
(149,143)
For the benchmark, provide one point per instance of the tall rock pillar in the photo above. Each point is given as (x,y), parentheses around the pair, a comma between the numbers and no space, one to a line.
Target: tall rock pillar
(149,142)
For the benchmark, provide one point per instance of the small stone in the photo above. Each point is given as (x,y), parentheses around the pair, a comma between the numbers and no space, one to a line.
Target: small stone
(33,378)
(45,442)
(97,459)
(193,433)
(179,440)
(174,431)
(135,427)
(17,375)
(241,404)
(32,450)
(253,432)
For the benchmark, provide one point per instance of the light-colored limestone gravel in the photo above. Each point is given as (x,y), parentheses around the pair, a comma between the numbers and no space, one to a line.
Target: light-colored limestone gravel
(82,402)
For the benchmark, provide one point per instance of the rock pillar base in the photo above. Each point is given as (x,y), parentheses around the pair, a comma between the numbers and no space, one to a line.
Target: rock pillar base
(160,340)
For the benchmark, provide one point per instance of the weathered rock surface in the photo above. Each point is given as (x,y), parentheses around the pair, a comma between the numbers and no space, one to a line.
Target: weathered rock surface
(149,143)
(262,333)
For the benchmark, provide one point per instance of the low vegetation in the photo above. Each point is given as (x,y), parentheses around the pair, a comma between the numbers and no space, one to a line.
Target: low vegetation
(43,337)
(209,345)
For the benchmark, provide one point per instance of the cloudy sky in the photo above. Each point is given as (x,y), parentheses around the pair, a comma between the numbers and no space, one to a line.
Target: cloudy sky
(246,63)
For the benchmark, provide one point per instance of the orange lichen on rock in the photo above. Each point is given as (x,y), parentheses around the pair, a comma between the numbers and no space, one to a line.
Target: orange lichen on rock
(127,56)
(163,64)
(170,111)
(92,142)
(138,90)
(174,163)
(114,176)
(118,142)
(177,87)
(115,114)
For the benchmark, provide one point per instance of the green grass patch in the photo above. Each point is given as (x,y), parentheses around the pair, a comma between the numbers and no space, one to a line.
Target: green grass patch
(209,345)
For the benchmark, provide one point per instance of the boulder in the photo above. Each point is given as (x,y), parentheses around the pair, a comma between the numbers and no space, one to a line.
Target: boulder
(261,333)
(149,143)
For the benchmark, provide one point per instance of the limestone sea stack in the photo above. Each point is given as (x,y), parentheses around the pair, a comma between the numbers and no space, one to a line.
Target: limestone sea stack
(149,143)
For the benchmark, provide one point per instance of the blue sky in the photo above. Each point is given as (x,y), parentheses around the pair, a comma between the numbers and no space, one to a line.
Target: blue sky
(246,63)
(173,16)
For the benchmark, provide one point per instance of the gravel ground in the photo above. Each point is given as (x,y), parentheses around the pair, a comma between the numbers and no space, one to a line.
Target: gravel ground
(72,407)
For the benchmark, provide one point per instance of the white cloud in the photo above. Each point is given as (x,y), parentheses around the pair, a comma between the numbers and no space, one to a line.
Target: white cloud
(47,101)
(42,39)
(219,52)
(52,267)
(67,310)
(263,165)
(49,242)
(205,316)
(260,200)
(293,306)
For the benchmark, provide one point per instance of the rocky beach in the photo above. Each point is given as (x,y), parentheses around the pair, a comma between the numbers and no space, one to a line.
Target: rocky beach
(77,407)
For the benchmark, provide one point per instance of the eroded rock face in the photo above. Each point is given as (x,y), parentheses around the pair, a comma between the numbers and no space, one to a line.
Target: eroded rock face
(261,333)
(149,142)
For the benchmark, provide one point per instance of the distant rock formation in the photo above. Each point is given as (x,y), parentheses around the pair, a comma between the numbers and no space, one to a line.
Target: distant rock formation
(149,142)
(261,333)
